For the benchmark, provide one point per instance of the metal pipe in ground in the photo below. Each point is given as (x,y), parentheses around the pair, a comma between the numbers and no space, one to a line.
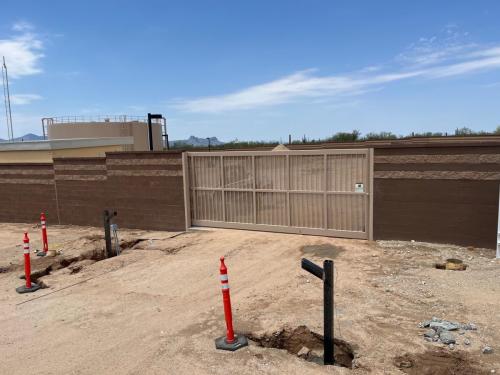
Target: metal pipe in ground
(328,312)
(29,287)
(326,274)
(231,341)
(107,233)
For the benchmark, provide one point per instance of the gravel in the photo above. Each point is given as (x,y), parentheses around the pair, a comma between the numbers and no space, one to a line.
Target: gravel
(487,350)
(447,337)
(441,330)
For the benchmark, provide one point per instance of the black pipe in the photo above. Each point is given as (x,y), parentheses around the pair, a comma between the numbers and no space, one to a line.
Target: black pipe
(150,132)
(326,274)
(107,233)
(328,287)
(312,268)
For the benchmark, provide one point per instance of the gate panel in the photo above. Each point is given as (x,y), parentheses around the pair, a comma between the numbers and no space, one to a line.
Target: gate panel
(325,192)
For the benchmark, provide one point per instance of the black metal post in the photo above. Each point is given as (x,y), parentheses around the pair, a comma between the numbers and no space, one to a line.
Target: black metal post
(312,268)
(107,233)
(208,139)
(328,357)
(150,132)
(326,274)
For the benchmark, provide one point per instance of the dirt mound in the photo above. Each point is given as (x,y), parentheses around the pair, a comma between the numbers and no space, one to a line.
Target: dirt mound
(294,340)
(439,362)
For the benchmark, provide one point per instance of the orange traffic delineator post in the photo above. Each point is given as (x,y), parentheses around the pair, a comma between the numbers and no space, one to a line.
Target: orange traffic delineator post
(29,287)
(45,250)
(231,341)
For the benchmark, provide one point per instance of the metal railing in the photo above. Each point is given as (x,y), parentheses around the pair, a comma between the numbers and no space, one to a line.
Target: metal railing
(97,118)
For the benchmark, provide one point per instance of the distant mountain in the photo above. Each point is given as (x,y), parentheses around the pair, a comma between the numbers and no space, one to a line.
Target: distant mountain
(26,137)
(196,142)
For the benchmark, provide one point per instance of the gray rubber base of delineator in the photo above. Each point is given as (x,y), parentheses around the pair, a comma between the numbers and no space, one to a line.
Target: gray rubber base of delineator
(240,341)
(41,253)
(23,289)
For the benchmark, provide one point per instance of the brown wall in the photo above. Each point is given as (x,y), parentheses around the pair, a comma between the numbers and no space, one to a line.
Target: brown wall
(439,193)
(443,194)
(145,189)
(82,194)
(26,190)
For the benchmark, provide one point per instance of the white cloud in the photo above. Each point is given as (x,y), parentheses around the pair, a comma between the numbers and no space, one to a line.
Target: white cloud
(22,26)
(21,99)
(306,84)
(22,51)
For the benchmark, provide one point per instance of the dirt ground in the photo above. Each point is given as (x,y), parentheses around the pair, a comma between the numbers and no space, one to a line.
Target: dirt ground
(157,308)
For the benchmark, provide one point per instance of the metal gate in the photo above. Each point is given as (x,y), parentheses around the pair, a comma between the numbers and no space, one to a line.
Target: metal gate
(322,192)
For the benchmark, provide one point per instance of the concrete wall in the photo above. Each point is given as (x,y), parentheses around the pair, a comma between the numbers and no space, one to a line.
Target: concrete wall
(136,129)
(145,188)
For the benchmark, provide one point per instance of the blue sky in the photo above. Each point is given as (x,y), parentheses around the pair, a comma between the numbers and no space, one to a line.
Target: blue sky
(257,69)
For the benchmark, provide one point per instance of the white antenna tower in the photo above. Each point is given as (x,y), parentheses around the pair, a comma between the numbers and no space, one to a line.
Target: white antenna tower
(6,97)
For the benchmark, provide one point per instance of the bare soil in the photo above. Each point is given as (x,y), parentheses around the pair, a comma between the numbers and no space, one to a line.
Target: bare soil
(157,308)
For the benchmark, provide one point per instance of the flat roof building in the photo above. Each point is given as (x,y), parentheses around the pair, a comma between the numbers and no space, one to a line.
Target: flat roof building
(106,127)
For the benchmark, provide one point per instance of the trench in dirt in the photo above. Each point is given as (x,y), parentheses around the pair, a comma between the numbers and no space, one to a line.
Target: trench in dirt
(306,345)
(75,263)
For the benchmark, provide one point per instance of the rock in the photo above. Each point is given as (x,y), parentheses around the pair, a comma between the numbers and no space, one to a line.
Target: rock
(304,352)
(469,327)
(466,342)
(430,333)
(435,338)
(487,350)
(451,346)
(424,324)
(447,337)
(444,324)
(429,339)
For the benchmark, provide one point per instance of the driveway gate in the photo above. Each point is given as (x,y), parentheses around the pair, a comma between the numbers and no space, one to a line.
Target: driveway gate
(322,192)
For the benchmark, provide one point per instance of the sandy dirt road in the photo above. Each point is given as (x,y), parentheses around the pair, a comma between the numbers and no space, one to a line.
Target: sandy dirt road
(156,309)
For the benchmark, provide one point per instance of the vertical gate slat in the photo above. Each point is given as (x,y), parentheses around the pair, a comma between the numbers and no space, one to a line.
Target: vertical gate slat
(254,197)
(222,185)
(325,188)
(289,210)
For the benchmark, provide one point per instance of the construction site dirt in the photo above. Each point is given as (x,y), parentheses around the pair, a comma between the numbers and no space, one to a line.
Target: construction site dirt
(157,307)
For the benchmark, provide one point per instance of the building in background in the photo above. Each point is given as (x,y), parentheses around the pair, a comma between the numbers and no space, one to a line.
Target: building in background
(85,137)
(107,127)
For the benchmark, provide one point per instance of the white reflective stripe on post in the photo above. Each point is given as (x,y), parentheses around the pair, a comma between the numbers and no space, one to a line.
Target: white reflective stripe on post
(223,277)
(26,250)
(43,222)
(225,286)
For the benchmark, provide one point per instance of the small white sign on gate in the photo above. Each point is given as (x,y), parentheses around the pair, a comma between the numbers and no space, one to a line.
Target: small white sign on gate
(359,187)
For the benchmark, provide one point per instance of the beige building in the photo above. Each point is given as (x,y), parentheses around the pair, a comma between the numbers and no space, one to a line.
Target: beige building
(106,127)
(46,151)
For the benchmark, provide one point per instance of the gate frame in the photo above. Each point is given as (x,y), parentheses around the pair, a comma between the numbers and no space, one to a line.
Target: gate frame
(368,235)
